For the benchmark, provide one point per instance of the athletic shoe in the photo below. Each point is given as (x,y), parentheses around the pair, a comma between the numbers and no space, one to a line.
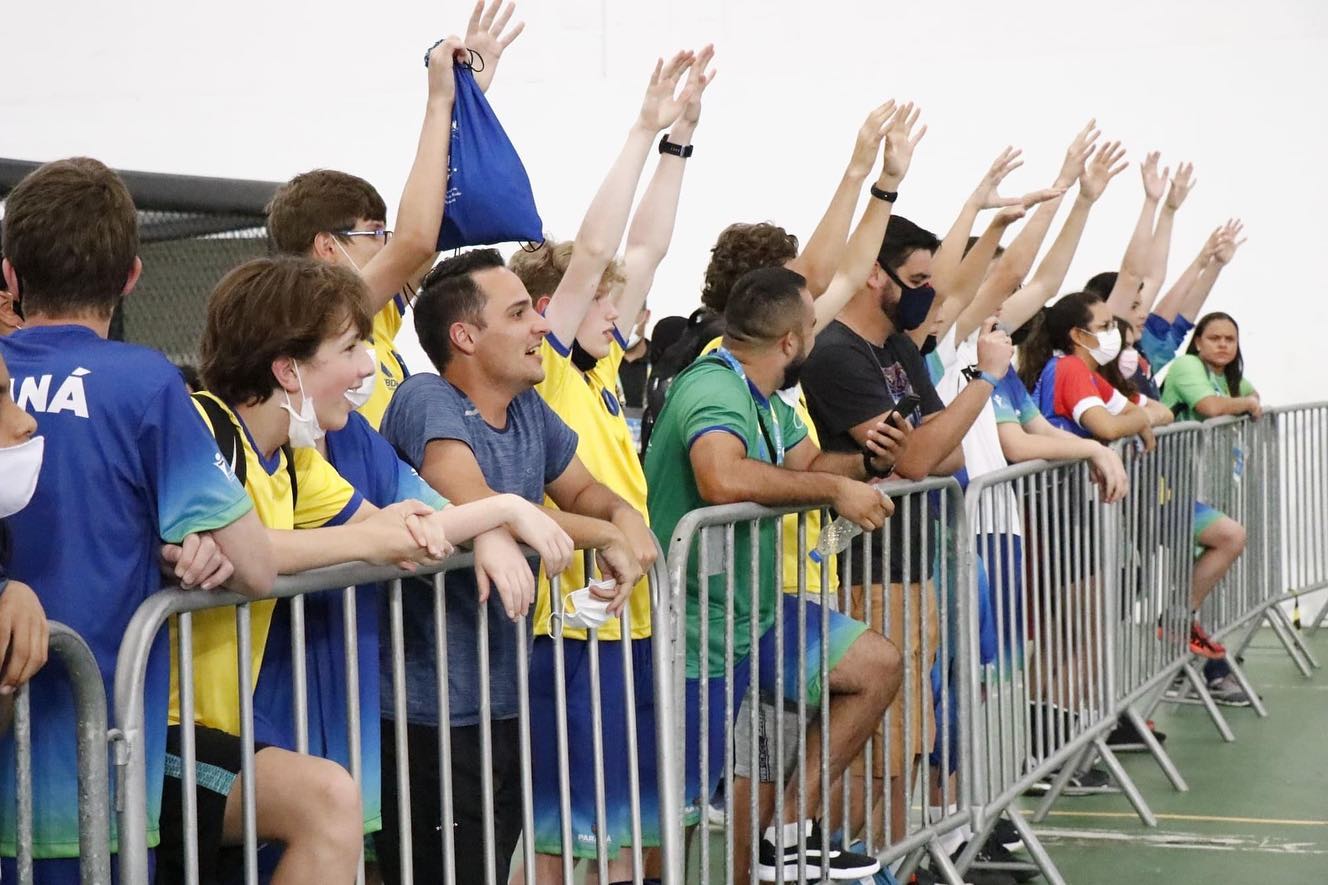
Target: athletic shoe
(1227,692)
(1203,645)
(1005,833)
(993,851)
(1083,783)
(1126,737)
(843,864)
(716,815)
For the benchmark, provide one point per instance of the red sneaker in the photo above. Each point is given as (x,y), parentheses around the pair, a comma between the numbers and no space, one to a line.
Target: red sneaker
(1203,645)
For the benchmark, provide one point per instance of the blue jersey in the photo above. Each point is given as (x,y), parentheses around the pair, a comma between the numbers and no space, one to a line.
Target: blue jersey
(370,464)
(128,464)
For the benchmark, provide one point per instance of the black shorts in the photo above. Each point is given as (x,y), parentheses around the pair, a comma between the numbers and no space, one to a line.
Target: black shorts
(217,758)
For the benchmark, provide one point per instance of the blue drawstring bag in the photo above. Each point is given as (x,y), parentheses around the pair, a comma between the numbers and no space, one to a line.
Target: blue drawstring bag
(488,198)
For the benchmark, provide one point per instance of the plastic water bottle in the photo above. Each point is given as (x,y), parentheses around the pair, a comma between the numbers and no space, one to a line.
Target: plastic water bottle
(836,537)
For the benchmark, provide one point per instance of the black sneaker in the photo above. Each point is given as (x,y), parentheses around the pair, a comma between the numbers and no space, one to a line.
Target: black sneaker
(843,864)
(993,851)
(1126,736)
(1084,783)
(1005,833)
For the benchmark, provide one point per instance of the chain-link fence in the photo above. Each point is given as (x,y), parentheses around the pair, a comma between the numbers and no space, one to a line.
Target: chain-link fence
(192,231)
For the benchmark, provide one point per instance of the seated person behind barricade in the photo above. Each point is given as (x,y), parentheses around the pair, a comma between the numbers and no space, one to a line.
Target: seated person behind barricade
(585,297)
(723,438)
(23,629)
(299,302)
(282,334)
(341,219)
(1073,338)
(479,430)
(126,466)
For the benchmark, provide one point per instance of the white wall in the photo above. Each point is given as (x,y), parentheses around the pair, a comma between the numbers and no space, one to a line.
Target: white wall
(264,90)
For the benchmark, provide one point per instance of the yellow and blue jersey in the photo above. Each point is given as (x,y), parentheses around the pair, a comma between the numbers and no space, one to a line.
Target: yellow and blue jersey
(389,367)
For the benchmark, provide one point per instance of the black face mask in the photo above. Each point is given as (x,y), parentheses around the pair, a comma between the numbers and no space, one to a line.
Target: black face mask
(581,358)
(914,304)
(928,345)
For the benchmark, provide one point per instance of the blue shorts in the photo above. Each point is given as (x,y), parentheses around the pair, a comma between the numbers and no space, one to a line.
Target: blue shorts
(1002,556)
(580,737)
(841,632)
(64,870)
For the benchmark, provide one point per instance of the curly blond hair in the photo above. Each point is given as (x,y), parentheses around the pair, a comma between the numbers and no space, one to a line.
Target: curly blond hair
(542,269)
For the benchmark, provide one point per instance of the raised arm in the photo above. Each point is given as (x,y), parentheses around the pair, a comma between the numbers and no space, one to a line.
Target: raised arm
(1228,241)
(651,230)
(823,254)
(602,228)
(896,129)
(485,38)
(1134,266)
(1019,308)
(420,214)
(1160,250)
(945,264)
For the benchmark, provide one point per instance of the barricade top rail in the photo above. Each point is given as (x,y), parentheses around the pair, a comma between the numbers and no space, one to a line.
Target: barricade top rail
(1295,407)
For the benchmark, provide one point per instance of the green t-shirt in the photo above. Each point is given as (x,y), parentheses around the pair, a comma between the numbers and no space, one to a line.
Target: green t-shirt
(1189,381)
(710,397)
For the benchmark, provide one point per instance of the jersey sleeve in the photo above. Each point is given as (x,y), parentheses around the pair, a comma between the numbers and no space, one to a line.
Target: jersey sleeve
(324,498)
(1011,401)
(425,410)
(558,368)
(790,423)
(1075,389)
(411,485)
(194,487)
(712,399)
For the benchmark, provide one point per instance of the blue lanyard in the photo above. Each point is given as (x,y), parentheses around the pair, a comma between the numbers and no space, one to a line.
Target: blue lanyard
(777,445)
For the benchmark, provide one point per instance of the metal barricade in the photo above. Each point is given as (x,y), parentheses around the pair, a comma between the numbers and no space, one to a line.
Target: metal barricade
(153,614)
(94,834)
(1298,485)
(770,737)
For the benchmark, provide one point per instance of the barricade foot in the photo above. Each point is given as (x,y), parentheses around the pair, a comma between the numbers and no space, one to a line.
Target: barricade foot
(941,865)
(1302,655)
(1126,784)
(1201,689)
(910,864)
(1035,850)
(1059,783)
(1255,701)
(1155,748)
(1319,618)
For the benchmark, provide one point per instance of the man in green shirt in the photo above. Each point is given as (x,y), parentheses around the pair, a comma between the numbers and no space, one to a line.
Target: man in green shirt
(724,437)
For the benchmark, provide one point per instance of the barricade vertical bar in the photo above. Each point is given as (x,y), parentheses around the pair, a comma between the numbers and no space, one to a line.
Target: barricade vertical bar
(444,730)
(729,590)
(801,543)
(351,640)
(669,777)
(755,714)
(399,717)
(703,694)
(823,710)
(597,753)
(188,751)
(486,746)
(249,792)
(23,776)
(299,676)
(634,760)
(523,739)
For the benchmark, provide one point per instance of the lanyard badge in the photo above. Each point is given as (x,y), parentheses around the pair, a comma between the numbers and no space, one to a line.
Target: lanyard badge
(774,446)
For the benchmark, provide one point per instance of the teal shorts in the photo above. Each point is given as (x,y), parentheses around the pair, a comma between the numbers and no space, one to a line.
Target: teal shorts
(1204,518)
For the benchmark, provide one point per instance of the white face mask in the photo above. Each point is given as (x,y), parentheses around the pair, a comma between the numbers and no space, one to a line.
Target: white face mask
(362,394)
(20,465)
(1108,346)
(587,611)
(303,425)
(1128,363)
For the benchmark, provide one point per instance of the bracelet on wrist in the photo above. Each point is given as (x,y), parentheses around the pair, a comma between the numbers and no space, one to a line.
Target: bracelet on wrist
(887,196)
(677,150)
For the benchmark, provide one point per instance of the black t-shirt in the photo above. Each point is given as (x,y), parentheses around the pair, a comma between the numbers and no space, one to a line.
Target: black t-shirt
(848,380)
(632,377)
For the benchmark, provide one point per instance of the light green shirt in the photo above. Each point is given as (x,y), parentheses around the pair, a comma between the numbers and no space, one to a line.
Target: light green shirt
(1189,381)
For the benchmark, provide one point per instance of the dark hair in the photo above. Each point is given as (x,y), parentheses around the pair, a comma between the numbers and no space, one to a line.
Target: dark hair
(450,295)
(1102,284)
(71,235)
(192,379)
(973,241)
(1111,371)
(667,331)
(1051,332)
(1234,370)
(902,239)
(321,201)
(742,248)
(764,304)
(270,308)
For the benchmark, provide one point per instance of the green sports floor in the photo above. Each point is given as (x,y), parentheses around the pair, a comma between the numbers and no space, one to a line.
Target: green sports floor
(1256,811)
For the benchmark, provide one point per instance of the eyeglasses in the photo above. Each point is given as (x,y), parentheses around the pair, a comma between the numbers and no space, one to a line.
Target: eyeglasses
(380,232)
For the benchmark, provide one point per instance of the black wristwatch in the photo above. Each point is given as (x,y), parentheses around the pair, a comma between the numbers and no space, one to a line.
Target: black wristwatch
(870,468)
(668,147)
(888,196)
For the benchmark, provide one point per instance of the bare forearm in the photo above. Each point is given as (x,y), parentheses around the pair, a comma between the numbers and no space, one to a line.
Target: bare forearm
(946,263)
(824,252)
(586,532)
(1199,292)
(1158,253)
(861,254)
(299,550)
(1050,275)
(1134,265)
(841,464)
(1177,296)
(761,483)
(978,295)
(1019,445)
(936,439)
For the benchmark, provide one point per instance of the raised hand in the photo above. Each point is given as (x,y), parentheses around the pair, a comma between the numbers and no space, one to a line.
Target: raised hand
(985,195)
(1032,198)
(995,349)
(1077,155)
(700,76)
(485,37)
(1154,182)
(900,140)
(869,140)
(1009,215)
(1106,164)
(1229,240)
(1181,185)
(442,82)
(663,103)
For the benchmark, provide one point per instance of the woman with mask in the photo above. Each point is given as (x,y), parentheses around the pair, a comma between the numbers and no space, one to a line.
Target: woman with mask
(1131,375)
